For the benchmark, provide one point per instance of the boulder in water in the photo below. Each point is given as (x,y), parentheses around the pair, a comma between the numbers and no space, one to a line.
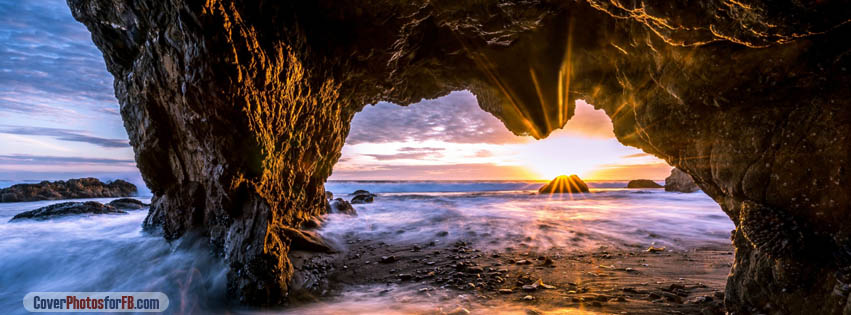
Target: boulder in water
(340,205)
(564,184)
(128,203)
(642,183)
(362,196)
(680,181)
(67,208)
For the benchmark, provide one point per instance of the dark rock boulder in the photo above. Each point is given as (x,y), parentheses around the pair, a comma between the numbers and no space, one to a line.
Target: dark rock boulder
(643,183)
(66,209)
(237,110)
(362,196)
(564,184)
(128,203)
(305,240)
(680,181)
(340,205)
(70,189)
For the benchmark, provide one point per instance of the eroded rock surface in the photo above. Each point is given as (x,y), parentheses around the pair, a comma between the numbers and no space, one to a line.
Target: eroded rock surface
(237,111)
(67,209)
(72,188)
(680,181)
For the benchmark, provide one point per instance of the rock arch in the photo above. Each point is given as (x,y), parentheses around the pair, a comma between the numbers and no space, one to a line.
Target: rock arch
(237,111)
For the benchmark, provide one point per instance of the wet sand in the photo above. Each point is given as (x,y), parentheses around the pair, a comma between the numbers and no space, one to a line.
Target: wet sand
(457,278)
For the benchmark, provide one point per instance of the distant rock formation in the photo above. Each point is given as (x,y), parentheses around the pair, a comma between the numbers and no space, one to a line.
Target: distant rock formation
(642,183)
(564,184)
(72,188)
(362,196)
(66,209)
(680,181)
(128,203)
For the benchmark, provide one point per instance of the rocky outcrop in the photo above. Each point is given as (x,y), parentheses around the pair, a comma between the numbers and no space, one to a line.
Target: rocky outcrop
(564,184)
(340,205)
(362,196)
(128,203)
(680,181)
(72,188)
(237,111)
(642,183)
(66,209)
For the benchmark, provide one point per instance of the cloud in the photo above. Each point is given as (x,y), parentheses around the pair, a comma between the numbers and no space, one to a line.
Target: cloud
(453,118)
(25,159)
(410,153)
(48,62)
(483,153)
(636,155)
(470,171)
(65,135)
(422,149)
(404,156)
(655,171)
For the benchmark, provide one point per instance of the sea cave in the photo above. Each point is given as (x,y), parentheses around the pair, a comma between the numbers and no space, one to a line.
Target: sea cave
(237,112)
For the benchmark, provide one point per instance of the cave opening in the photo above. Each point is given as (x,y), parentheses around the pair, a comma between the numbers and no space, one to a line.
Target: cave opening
(454,209)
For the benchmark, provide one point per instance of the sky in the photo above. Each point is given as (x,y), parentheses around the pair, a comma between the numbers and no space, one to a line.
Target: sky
(452,138)
(59,119)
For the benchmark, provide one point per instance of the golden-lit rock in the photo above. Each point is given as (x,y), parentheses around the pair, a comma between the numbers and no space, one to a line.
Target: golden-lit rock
(564,184)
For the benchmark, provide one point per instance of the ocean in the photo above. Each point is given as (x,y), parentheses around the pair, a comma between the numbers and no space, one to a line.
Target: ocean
(112,253)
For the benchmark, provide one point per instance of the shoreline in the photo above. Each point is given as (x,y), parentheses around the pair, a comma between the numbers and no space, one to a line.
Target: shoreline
(456,276)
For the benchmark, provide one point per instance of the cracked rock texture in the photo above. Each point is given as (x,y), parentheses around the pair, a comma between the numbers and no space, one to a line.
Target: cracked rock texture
(237,111)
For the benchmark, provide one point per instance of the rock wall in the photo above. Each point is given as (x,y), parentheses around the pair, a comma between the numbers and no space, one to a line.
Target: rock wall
(237,111)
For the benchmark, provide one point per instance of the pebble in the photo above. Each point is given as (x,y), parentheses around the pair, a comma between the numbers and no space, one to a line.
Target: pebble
(458,311)
(528,298)
(653,249)
(506,291)
(388,259)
